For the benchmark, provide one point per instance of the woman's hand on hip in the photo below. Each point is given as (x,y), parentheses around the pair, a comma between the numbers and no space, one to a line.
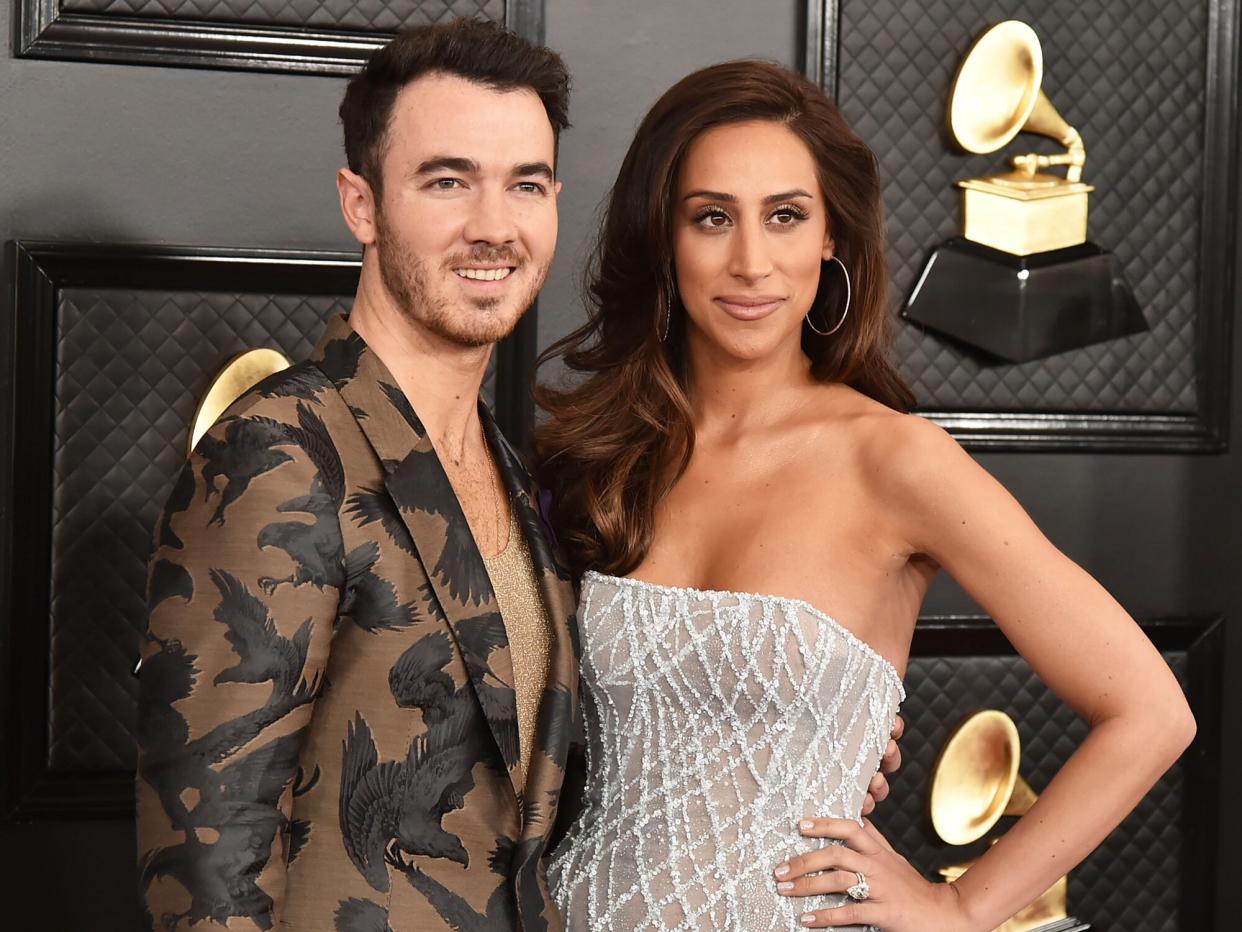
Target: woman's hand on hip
(897,897)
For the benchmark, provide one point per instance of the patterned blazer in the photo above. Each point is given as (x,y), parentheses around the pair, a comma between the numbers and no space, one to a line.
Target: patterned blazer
(327,725)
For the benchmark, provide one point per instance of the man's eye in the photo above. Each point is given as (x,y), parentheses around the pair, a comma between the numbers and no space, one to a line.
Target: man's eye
(530,187)
(445,184)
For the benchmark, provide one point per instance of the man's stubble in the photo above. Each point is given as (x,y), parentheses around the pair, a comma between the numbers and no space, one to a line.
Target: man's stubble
(477,323)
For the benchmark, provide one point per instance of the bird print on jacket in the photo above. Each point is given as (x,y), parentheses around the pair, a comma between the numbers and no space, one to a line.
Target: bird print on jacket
(327,730)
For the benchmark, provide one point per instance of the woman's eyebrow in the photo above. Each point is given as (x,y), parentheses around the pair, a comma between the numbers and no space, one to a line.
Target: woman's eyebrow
(786,196)
(732,198)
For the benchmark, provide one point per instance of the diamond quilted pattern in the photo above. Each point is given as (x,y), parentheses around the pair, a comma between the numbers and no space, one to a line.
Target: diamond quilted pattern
(1113,889)
(368,15)
(1130,77)
(131,368)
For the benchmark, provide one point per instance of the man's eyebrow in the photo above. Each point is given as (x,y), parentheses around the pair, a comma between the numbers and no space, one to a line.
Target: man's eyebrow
(450,163)
(526,169)
(732,198)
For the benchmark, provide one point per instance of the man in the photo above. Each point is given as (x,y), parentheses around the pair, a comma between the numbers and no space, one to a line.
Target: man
(361,666)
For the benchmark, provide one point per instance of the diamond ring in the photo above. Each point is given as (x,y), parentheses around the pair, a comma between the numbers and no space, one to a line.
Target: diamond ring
(860,890)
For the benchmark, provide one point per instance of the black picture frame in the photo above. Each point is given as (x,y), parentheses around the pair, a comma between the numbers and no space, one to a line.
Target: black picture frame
(1206,430)
(29,788)
(43,30)
(1201,637)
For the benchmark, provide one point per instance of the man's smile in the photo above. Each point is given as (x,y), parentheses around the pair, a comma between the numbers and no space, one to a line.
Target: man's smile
(485,274)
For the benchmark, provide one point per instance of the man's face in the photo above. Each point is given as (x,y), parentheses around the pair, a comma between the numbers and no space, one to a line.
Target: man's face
(466,226)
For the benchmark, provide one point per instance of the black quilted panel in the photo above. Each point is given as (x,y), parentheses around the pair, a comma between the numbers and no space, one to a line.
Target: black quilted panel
(366,15)
(1131,883)
(1130,77)
(131,366)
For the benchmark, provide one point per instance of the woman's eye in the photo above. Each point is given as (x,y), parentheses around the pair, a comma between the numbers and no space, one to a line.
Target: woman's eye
(712,219)
(787,216)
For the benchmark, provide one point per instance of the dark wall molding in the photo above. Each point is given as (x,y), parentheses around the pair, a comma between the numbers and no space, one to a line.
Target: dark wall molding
(44,30)
(1206,428)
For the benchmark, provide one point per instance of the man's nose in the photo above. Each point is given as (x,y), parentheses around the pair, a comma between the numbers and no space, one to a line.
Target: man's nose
(490,220)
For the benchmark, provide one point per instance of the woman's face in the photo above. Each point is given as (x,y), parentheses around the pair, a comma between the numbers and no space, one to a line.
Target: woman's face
(750,229)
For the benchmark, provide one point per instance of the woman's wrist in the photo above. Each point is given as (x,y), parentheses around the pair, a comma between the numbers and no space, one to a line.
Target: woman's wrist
(958,908)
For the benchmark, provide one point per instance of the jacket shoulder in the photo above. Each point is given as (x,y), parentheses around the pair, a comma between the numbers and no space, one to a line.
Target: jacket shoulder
(281,394)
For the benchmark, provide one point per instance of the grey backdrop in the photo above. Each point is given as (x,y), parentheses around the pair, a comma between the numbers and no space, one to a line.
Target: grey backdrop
(138,154)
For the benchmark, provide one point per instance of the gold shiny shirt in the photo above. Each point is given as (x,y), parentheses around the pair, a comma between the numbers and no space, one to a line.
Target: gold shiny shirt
(529,631)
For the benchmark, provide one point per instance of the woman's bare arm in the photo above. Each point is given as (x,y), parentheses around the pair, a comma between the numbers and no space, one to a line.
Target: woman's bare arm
(1077,638)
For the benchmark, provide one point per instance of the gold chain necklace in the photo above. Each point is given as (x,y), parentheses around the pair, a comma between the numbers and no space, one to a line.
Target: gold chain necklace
(492,468)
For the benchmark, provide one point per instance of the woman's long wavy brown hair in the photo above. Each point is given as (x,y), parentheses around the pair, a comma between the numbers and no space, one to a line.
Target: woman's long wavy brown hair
(615,442)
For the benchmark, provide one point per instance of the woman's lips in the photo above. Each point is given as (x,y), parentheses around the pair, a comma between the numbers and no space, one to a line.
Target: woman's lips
(749,307)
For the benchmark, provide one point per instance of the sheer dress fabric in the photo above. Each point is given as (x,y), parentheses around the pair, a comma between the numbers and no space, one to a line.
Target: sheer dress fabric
(714,722)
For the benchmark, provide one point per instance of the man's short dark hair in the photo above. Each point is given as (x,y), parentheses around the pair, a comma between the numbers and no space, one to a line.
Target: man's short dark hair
(477,50)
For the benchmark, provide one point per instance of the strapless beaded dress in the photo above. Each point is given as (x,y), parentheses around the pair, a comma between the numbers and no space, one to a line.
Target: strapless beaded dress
(714,722)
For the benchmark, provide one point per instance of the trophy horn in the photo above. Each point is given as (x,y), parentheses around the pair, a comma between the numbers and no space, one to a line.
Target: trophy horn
(996,95)
(974,783)
(976,780)
(239,374)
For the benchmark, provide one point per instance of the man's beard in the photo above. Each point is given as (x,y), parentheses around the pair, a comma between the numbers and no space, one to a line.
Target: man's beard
(479,322)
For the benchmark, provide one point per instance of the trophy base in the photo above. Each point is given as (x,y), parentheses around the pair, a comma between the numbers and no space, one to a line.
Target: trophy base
(1065,925)
(1024,214)
(1019,308)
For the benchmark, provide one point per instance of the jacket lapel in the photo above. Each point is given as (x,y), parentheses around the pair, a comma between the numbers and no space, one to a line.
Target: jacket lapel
(542,794)
(428,506)
(560,694)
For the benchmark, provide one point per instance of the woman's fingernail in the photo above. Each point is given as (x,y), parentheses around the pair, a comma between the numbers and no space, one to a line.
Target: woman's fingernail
(782,870)
(806,825)
(785,885)
(808,918)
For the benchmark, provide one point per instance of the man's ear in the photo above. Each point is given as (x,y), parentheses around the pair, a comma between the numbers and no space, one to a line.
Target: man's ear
(358,205)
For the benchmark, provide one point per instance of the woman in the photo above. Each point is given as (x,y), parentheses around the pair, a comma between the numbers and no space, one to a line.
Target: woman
(757,523)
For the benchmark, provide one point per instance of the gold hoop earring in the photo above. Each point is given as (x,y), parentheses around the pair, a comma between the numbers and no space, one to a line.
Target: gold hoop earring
(845,313)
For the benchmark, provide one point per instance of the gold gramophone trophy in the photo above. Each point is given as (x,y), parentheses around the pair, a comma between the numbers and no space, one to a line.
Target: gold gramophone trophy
(1022,282)
(238,376)
(974,783)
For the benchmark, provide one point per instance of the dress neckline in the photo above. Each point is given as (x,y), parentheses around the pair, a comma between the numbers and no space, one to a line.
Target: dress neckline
(849,636)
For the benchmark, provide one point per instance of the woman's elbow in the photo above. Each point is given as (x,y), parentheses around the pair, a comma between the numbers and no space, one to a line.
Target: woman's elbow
(1186,724)
(1174,728)
(1157,731)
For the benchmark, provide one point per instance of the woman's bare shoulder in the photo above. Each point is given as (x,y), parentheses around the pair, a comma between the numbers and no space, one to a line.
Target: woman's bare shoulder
(895,450)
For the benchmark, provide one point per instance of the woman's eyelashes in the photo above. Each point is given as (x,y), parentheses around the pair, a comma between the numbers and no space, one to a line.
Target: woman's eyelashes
(790,214)
(716,218)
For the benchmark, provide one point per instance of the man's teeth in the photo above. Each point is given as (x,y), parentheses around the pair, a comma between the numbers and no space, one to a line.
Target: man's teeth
(483,275)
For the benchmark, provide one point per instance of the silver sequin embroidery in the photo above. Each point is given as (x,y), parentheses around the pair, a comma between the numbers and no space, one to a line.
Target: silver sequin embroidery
(714,721)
